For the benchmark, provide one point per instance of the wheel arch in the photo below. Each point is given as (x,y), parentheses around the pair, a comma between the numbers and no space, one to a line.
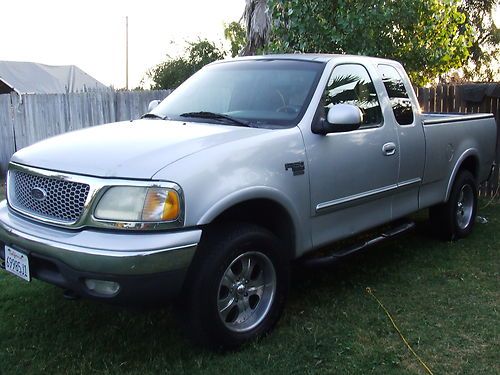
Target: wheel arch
(469,160)
(266,207)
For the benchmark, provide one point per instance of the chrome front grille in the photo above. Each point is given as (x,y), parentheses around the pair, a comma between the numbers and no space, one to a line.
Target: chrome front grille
(46,197)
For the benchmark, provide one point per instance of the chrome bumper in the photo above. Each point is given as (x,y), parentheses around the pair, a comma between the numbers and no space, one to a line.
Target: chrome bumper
(101,252)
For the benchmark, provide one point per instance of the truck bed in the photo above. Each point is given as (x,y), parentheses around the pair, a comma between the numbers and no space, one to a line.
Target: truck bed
(450,138)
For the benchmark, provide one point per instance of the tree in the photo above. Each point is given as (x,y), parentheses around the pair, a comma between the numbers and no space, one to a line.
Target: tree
(235,34)
(171,73)
(485,47)
(429,37)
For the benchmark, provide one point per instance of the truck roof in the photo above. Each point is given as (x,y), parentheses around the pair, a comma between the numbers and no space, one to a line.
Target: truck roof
(292,56)
(318,57)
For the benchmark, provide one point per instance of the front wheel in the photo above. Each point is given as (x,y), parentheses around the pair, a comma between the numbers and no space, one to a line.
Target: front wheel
(238,286)
(455,219)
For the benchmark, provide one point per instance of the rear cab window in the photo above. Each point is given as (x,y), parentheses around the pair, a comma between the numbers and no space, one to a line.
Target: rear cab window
(400,102)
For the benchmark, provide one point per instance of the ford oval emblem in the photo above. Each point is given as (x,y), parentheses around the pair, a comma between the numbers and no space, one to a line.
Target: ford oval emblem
(38,194)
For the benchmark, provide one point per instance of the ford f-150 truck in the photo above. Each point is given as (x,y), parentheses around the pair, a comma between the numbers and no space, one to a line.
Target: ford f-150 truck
(250,164)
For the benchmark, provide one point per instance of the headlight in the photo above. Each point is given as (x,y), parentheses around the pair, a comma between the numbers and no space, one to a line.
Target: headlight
(139,204)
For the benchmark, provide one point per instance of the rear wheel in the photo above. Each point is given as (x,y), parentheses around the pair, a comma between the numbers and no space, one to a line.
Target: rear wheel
(237,288)
(455,219)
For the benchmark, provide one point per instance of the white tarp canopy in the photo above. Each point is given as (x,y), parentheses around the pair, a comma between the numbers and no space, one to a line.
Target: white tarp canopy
(34,78)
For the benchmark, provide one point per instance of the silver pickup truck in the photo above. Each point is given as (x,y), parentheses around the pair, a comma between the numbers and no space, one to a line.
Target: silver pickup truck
(250,164)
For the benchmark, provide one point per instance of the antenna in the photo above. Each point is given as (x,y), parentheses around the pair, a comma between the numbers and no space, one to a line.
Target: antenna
(126,52)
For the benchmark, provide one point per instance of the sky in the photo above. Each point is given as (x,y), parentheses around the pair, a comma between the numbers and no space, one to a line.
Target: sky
(91,33)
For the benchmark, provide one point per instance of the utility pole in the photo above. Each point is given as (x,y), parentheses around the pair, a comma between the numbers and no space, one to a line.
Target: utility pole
(126,52)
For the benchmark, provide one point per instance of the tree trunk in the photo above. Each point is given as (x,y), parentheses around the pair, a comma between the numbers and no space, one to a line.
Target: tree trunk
(258,25)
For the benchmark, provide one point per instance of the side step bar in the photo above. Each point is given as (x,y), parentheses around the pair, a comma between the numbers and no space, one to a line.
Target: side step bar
(330,258)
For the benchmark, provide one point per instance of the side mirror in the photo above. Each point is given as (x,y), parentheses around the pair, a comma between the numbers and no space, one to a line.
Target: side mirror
(340,118)
(153,104)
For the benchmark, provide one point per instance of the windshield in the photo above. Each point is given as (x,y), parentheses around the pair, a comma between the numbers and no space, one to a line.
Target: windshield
(265,93)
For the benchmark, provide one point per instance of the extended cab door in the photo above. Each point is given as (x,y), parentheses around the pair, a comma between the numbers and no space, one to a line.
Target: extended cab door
(411,138)
(352,174)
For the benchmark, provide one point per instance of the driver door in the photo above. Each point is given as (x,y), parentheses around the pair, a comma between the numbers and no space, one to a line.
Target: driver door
(352,174)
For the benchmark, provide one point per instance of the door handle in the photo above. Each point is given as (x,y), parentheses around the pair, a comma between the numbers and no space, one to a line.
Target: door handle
(389,148)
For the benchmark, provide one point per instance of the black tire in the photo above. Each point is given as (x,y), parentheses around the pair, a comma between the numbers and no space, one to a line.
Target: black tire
(249,315)
(455,219)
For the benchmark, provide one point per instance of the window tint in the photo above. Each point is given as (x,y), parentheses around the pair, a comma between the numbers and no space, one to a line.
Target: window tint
(351,84)
(401,104)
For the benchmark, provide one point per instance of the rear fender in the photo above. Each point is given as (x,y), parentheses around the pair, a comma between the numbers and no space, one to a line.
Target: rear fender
(470,152)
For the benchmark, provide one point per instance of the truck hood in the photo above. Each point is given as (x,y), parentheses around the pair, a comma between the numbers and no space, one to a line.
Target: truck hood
(132,149)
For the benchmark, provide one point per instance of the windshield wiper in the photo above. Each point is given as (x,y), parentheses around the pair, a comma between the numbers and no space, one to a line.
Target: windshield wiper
(152,115)
(216,116)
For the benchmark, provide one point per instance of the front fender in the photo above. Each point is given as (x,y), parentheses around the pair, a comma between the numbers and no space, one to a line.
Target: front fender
(218,178)
(257,193)
(247,194)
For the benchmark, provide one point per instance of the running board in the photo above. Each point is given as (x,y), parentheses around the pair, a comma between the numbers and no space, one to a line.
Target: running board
(324,260)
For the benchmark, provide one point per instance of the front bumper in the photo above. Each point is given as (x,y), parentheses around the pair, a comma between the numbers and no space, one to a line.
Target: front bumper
(145,264)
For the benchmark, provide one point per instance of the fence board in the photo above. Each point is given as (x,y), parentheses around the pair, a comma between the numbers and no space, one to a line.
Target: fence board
(30,118)
(7,144)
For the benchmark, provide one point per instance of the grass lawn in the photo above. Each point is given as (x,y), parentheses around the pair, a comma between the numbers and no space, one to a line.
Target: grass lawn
(443,296)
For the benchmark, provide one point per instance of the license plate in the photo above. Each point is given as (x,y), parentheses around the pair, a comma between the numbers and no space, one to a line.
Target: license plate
(17,263)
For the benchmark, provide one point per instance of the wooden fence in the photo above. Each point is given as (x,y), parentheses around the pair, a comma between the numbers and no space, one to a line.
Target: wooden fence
(27,119)
(30,118)
(467,98)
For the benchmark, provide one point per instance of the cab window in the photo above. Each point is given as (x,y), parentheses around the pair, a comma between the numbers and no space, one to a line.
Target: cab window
(351,84)
(400,102)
